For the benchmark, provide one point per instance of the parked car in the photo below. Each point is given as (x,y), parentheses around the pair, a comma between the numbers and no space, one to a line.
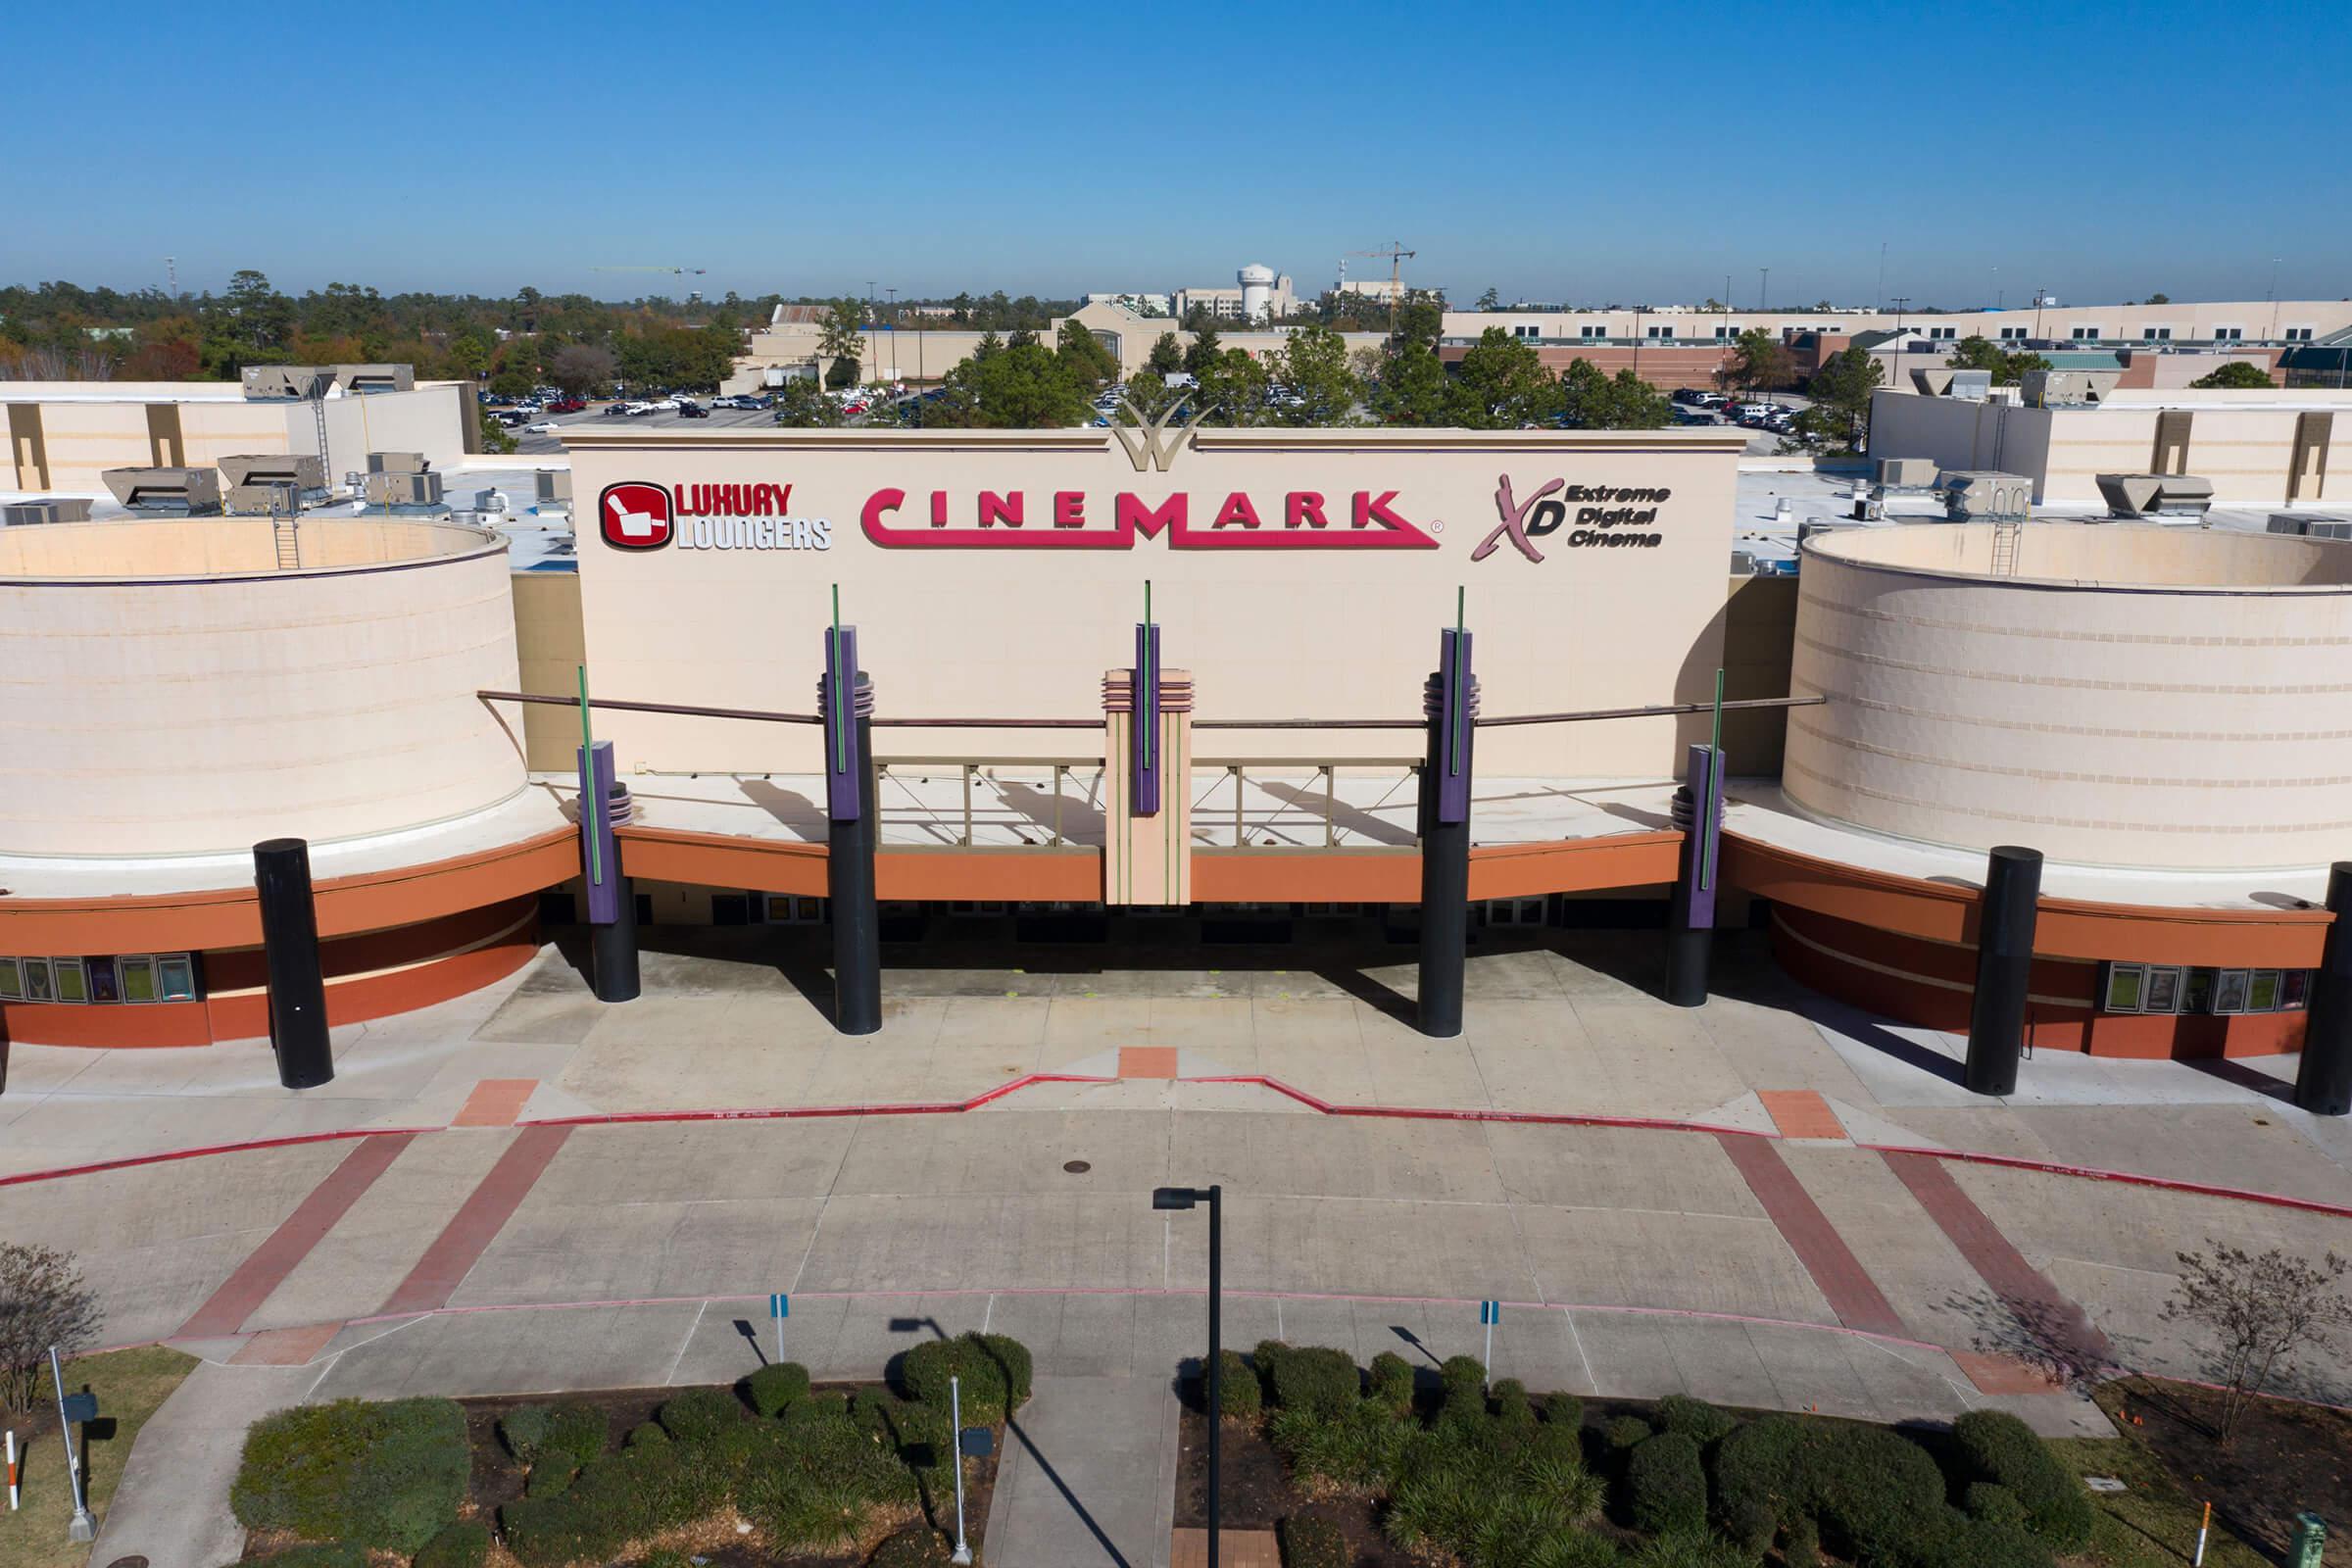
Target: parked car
(692,410)
(638,411)
(566,406)
(546,428)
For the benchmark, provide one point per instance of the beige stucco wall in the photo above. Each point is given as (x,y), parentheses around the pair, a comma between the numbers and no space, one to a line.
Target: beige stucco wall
(550,650)
(2136,696)
(1267,632)
(148,715)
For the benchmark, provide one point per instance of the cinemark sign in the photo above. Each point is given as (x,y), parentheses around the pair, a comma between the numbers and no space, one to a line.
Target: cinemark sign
(1016,519)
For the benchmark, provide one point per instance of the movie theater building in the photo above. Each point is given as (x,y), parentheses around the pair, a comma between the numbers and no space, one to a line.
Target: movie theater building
(1167,672)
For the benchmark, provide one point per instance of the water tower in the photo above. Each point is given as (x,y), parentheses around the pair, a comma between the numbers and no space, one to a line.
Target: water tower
(1257,291)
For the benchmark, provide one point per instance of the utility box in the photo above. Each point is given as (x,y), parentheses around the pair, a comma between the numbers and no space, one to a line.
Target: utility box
(1971,386)
(262,484)
(166,492)
(2061,389)
(376,377)
(2311,1534)
(1906,474)
(284,381)
(555,487)
(2304,525)
(44,509)
(1984,495)
(403,489)
(397,463)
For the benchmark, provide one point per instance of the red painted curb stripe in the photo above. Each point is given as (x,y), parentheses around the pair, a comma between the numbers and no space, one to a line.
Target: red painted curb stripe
(477,1222)
(265,1268)
(2094,1173)
(198,1152)
(1841,1277)
(2042,1310)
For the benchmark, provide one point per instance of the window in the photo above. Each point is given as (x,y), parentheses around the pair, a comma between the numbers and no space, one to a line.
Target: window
(1943,334)
(1591,331)
(1515,911)
(2298,334)
(2088,334)
(1661,332)
(793,909)
(2296,990)
(2262,992)
(2229,334)
(2171,988)
(2155,334)
(2126,984)
(2013,334)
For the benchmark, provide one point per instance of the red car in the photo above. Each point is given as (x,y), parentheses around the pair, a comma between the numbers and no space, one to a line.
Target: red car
(564,405)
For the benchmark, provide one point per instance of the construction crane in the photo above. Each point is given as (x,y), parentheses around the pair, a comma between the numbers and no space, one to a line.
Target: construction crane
(1395,256)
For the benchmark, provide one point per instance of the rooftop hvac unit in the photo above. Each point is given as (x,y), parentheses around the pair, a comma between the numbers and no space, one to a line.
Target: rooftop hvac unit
(2305,525)
(376,377)
(1743,563)
(489,501)
(397,463)
(1971,386)
(2066,389)
(422,490)
(1983,496)
(267,497)
(166,492)
(296,381)
(2149,495)
(554,486)
(1934,381)
(300,470)
(1906,474)
(45,509)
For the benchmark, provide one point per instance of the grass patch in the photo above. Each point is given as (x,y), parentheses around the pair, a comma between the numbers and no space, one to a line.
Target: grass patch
(2154,1523)
(130,1385)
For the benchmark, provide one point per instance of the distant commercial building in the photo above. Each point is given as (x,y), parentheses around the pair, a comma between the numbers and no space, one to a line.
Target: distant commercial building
(1147,305)
(1259,293)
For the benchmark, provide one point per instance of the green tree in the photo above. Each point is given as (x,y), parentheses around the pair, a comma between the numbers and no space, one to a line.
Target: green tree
(1759,363)
(1232,389)
(803,404)
(1592,400)
(1084,357)
(510,380)
(1502,384)
(1490,299)
(1167,354)
(1974,352)
(580,368)
(1147,392)
(1312,365)
(987,345)
(473,349)
(1204,349)
(263,318)
(2160,299)
(1840,389)
(841,339)
(1020,387)
(1411,389)
(2236,373)
(1420,319)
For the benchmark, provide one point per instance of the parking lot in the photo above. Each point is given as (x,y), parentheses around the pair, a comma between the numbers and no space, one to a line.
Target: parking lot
(595,417)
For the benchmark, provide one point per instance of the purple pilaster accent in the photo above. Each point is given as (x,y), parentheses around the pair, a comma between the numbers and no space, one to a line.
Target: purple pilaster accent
(1457,707)
(599,853)
(1143,738)
(845,755)
(1702,777)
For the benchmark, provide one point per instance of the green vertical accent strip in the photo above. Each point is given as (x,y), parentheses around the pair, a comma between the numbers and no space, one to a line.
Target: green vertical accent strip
(592,809)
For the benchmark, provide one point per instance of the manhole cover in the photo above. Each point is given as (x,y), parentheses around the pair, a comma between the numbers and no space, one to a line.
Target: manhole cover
(127,1562)
(1077,1167)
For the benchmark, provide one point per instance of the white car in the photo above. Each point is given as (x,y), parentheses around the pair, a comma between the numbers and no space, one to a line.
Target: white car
(543,427)
(664,406)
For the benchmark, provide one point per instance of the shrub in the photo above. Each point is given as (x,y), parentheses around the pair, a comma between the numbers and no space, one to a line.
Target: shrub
(1392,1380)
(1462,1386)
(1665,1485)
(1316,1379)
(1625,1432)
(699,1414)
(551,1477)
(1996,1447)
(645,1433)
(464,1544)
(1239,1397)
(1561,1482)
(1690,1550)
(317,1556)
(1511,1406)
(378,1475)
(775,1386)
(1572,1548)
(1311,1543)
(1993,1504)
(1359,1451)
(1564,1410)
(992,1371)
(575,1433)
(1694,1419)
(1755,1469)
(524,1429)
(1800,1543)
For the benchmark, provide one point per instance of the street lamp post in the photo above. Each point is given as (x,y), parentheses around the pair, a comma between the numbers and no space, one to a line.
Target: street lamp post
(1169,1197)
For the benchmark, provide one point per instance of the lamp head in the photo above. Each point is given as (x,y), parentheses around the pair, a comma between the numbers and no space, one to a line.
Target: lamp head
(1172,1197)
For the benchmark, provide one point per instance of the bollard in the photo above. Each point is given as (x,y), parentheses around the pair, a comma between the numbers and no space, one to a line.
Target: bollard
(1996,1018)
(611,900)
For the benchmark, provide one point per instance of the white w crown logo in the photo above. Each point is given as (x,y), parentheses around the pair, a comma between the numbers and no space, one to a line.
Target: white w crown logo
(1144,446)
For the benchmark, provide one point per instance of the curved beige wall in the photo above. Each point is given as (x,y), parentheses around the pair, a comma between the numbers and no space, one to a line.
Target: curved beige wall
(166,690)
(2132,696)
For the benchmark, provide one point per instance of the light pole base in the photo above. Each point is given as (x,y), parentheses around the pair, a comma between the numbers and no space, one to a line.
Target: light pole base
(963,1554)
(83,1527)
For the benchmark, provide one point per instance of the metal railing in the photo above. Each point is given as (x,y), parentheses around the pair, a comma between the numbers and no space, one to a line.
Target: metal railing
(1324,769)
(973,770)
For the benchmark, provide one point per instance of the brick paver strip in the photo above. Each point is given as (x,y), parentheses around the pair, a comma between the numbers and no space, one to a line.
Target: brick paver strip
(265,1268)
(1147,1061)
(286,1347)
(2052,1324)
(495,1103)
(477,1222)
(2005,1374)
(1802,1114)
(1235,1548)
(1849,1289)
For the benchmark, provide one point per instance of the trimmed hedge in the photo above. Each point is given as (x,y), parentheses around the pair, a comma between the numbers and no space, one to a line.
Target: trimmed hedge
(644,1433)
(1240,1395)
(464,1544)
(1625,1432)
(1800,1544)
(1512,1405)
(1316,1379)
(1694,1419)
(373,1475)
(1311,1543)
(1666,1485)
(576,1433)
(551,1477)
(993,1370)
(319,1556)
(699,1414)
(1392,1380)
(775,1386)
(1564,1410)
(1461,1390)
(1998,1447)
(522,1429)
(1993,1504)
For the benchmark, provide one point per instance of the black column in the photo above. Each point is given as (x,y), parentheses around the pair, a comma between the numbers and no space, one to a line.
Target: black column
(1996,1019)
(850,900)
(1444,890)
(282,878)
(2324,1079)
(613,950)
(1698,809)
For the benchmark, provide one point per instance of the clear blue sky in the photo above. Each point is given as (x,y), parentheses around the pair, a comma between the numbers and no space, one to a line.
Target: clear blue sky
(1582,153)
